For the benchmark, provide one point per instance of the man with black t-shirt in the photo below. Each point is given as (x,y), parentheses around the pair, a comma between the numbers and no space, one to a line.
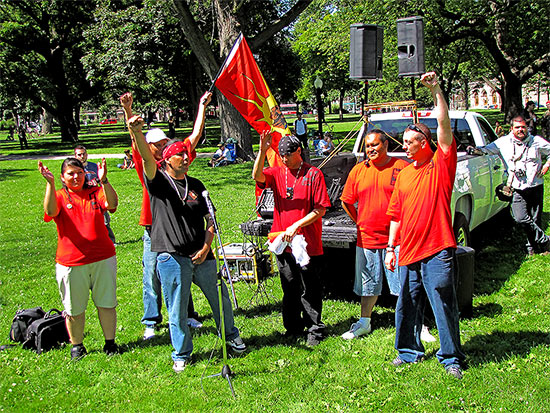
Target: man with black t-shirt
(180,236)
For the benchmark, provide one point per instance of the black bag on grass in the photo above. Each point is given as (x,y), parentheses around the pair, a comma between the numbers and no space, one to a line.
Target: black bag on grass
(47,332)
(21,322)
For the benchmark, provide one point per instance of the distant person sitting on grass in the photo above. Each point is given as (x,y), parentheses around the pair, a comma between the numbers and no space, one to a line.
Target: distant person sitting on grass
(128,162)
(86,257)
(221,157)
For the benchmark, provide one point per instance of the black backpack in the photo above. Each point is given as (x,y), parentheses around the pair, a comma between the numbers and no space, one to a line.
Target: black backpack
(21,322)
(47,332)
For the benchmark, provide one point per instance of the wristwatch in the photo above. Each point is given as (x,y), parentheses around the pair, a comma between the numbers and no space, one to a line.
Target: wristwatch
(390,248)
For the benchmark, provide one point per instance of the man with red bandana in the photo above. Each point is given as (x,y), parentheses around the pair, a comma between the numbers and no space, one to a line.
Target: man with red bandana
(420,208)
(181,233)
(152,295)
(301,199)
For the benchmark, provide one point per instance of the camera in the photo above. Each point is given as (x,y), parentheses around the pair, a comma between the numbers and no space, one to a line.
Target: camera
(520,173)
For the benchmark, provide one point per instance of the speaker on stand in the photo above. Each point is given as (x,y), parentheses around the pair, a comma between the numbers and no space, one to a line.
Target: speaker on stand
(410,48)
(365,53)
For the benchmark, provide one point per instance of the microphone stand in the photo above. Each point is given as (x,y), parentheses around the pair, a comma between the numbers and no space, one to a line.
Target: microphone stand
(226,372)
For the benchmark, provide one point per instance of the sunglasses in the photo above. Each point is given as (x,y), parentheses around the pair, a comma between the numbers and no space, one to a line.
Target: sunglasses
(415,128)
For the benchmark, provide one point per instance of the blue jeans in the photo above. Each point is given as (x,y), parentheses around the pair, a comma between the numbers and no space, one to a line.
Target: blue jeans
(152,293)
(176,274)
(436,274)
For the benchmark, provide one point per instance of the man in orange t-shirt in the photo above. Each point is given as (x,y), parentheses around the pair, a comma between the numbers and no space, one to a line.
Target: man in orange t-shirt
(420,209)
(370,184)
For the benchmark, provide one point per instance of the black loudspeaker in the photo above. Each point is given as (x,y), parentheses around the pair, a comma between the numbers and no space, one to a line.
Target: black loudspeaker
(365,51)
(410,46)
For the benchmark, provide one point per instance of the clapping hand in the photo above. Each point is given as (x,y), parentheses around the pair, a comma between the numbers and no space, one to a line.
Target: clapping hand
(46,173)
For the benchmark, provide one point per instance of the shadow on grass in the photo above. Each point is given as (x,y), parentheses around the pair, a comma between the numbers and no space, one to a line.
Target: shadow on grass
(499,345)
(500,251)
(6,174)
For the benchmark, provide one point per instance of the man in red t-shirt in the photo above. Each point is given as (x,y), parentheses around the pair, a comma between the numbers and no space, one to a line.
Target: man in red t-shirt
(370,184)
(301,198)
(420,209)
(152,294)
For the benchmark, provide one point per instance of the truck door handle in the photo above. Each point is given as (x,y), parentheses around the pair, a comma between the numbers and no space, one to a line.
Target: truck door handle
(496,167)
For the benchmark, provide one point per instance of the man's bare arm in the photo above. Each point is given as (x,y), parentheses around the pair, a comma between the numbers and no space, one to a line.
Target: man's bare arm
(199,121)
(441,110)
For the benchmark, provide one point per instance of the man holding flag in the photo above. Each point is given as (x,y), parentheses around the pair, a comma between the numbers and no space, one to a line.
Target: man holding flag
(301,198)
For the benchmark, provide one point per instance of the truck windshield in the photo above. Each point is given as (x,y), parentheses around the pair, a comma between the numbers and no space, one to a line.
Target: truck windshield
(396,127)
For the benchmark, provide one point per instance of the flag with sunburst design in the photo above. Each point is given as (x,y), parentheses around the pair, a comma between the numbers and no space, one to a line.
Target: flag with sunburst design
(242,82)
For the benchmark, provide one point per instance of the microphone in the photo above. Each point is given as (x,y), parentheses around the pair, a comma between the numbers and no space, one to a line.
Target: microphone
(209,203)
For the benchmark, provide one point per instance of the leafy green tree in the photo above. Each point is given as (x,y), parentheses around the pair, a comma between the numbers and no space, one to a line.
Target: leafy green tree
(139,46)
(40,52)
(514,34)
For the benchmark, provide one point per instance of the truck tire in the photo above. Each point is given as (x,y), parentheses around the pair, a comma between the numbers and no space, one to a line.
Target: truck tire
(461,229)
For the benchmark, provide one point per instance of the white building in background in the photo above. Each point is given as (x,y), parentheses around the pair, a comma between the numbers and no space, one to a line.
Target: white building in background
(484,96)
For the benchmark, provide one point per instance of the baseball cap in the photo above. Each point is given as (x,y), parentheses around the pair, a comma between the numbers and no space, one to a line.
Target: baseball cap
(288,144)
(155,135)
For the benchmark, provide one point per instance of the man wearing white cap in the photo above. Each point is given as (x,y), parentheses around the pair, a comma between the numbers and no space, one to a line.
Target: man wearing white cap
(152,296)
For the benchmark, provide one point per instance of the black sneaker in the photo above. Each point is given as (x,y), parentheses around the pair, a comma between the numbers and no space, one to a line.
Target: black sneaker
(111,349)
(454,371)
(77,352)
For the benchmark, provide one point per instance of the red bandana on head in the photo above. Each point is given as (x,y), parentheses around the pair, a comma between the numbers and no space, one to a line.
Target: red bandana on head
(178,147)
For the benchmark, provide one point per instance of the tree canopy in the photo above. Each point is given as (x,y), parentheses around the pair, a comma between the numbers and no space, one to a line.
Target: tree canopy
(40,52)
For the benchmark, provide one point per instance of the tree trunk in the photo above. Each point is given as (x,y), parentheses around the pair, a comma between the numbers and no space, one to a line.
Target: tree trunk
(231,122)
(341,105)
(69,131)
(46,120)
(512,104)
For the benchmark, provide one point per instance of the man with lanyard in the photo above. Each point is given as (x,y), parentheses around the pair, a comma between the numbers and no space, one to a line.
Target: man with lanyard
(420,209)
(182,241)
(300,129)
(523,153)
(301,199)
(90,168)
(370,184)
(152,295)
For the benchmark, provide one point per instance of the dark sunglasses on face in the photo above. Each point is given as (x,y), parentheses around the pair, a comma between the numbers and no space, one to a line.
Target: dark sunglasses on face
(415,128)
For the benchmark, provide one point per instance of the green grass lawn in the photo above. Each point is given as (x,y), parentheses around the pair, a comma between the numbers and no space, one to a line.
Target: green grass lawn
(507,340)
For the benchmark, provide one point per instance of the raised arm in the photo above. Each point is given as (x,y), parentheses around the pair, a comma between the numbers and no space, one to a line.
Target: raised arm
(50,202)
(441,110)
(126,100)
(111,198)
(198,127)
(138,139)
(265,144)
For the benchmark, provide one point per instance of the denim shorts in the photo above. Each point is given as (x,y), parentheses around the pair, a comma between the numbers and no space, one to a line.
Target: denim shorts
(370,269)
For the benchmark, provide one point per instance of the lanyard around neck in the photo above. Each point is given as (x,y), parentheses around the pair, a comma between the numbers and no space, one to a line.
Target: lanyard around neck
(173,184)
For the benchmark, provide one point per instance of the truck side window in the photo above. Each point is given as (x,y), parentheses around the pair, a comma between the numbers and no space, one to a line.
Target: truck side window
(488,133)
(462,134)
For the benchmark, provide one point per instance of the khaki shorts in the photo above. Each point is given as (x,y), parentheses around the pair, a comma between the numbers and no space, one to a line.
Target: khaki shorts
(76,282)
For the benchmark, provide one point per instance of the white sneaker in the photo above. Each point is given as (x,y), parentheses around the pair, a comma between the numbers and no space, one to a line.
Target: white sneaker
(179,365)
(356,330)
(149,333)
(191,322)
(237,345)
(425,335)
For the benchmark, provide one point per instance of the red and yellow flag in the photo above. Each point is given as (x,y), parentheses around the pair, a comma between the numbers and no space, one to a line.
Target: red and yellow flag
(241,81)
